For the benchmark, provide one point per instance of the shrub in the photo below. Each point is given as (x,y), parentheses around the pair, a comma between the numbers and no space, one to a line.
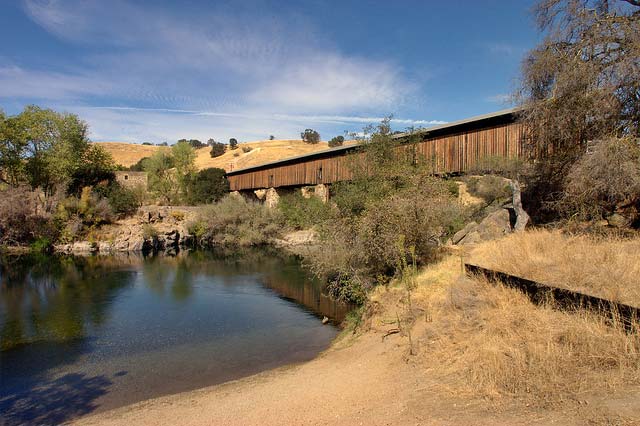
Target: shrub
(234,221)
(22,218)
(310,136)
(83,213)
(217,149)
(123,201)
(604,180)
(207,186)
(358,251)
(301,213)
(149,231)
(336,141)
(490,187)
(246,149)
(177,215)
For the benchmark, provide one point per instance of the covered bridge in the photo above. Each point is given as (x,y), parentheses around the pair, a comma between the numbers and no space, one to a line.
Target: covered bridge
(453,148)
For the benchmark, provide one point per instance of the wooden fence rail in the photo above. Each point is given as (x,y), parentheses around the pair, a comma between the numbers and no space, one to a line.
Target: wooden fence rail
(539,293)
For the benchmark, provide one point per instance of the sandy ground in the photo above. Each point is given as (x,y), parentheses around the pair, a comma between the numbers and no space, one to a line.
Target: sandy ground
(366,381)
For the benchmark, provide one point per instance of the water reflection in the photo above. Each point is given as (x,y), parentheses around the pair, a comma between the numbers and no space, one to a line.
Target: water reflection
(54,298)
(85,333)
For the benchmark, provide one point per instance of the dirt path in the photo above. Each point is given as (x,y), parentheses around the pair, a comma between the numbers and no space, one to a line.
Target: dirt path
(361,382)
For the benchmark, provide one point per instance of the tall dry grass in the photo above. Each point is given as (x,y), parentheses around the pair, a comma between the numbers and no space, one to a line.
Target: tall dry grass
(607,267)
(482,340)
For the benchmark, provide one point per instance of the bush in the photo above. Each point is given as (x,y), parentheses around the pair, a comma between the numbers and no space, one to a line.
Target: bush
(217,149)
(22,219)
(302,213)
(123,201)
(310,136)
(358,251)
(207,186)
(81,214)
(149,231)
(234,221)
(336,141)
(246,149)
(490,187)
(603,181)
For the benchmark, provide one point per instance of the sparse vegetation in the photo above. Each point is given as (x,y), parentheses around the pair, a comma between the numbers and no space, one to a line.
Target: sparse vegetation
(579,85)
(336,141)
(236,222)
(217,149)
(310,136)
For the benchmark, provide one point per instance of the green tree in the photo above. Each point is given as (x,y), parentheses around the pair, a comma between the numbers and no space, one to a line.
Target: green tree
(207,186)
(217,149)
(336,141)
(184,157)
(233,143)
(48,149)
(162,179)
(310,136)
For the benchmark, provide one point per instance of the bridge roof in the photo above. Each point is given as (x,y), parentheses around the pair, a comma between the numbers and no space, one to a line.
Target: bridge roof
(452,127)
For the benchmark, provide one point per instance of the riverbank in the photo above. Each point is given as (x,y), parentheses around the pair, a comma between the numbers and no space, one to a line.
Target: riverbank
(462,352)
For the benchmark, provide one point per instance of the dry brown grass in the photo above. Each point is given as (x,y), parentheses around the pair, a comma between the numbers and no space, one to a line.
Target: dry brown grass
(479,340)
(607,267)
(266,151)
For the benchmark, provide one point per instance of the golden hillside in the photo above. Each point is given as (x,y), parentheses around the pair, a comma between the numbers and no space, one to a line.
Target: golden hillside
(127,154)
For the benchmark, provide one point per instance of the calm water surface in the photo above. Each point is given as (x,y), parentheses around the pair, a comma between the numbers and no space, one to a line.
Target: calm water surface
(81,335)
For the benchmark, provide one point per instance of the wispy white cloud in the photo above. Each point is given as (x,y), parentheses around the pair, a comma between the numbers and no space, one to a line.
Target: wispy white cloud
(215,62)
(19,82)
(157,124)
(500,98)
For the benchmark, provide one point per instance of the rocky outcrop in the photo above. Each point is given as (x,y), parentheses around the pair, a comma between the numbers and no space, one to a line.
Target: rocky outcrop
(152,229)
(495,225)
(497,222)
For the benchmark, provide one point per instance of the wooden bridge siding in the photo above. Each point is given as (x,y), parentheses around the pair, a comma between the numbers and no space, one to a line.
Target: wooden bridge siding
(458,152)
(462,151)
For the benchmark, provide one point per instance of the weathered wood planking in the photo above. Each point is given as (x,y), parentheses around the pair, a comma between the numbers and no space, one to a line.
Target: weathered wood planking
(450,150)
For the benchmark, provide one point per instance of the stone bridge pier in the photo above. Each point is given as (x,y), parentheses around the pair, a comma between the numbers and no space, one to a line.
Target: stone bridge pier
(271,196)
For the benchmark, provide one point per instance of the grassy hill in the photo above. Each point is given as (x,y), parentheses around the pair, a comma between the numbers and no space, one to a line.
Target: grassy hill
(127,154)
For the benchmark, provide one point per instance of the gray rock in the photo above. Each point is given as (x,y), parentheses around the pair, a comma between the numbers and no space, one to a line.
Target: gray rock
(495,225)
(458,236)
(104,247)
(84,247)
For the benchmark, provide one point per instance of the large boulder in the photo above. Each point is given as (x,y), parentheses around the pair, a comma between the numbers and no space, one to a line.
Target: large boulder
(497,224)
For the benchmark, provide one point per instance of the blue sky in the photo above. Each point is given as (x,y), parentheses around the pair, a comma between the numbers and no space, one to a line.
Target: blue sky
(159,70)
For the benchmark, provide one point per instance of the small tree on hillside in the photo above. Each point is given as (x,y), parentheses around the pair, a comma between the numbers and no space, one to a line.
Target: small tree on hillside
(233,143)
(217,149)
(310,136)
(271,137)
(336,141)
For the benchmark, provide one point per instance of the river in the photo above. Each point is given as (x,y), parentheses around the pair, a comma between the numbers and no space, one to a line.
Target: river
(87,334)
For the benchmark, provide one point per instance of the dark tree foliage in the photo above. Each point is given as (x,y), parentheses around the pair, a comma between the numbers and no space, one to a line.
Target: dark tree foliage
(310,136)
(139,166)
(165,143)
(207,186)
(336,141)
(233,143)
(147,143)
(581,84)
(271,137)
(217,149)
(196,144)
